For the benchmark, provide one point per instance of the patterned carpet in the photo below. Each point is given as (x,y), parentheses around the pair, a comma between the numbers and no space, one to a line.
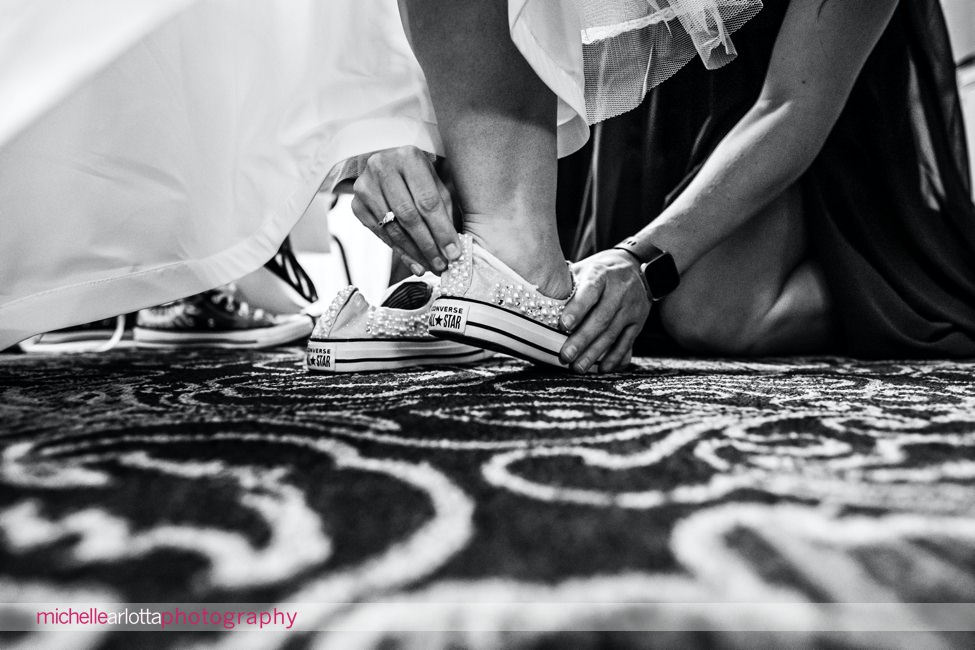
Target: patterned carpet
(628,502)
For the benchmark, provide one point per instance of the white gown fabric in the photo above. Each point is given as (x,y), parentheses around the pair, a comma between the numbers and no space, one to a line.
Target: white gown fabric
(151,149)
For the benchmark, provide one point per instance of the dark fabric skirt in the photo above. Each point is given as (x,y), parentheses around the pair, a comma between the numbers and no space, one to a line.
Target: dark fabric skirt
(888,200)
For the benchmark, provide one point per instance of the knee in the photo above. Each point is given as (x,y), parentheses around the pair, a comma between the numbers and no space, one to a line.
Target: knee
(702,326)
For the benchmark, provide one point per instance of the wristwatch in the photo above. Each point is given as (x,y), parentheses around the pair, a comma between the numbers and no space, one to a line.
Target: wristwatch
(660,275)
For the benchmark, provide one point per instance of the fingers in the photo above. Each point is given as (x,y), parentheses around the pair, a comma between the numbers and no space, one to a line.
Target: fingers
(606,314)
(600,320)
(432,201)
(410,230)
(448,202)
(594,310)
(404,181)
(589,291)
(369,208)
(621,352)
(602,329)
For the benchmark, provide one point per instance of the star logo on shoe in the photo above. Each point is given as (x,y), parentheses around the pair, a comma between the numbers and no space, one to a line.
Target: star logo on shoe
(451,318)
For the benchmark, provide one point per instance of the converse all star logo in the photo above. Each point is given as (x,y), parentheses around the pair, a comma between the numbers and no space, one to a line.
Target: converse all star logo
(448,317)
(319,356)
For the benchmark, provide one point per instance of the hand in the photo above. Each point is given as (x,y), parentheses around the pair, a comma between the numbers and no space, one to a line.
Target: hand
(606,314)
(404,181)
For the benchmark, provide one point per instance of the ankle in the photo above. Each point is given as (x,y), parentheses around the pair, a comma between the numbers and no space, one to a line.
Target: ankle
(535,256)
(556,283)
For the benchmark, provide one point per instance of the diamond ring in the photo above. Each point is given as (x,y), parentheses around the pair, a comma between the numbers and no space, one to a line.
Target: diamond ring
(388,218)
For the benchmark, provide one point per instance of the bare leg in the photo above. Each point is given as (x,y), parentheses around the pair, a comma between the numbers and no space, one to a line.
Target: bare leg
(498,122)
(756,293)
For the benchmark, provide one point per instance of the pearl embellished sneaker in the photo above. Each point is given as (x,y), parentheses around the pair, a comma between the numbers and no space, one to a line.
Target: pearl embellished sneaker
(486,303)
(354,336)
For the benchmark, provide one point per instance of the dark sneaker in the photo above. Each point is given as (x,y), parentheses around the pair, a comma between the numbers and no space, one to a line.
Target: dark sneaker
(217,319)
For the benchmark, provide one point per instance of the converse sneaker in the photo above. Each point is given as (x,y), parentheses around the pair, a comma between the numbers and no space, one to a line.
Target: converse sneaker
(217,319)
(354,336)
(485,303)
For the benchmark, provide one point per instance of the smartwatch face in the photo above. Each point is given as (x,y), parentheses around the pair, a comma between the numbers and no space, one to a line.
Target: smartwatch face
(662,276)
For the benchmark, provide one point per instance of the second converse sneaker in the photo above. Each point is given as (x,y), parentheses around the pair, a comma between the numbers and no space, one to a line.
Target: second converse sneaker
(354,336)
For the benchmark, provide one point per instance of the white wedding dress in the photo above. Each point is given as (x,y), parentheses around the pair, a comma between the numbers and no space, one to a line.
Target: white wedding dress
(151,149)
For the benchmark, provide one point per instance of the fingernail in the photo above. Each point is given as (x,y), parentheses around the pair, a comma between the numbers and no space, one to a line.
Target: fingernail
(583,364)
(568,321)
(453,251)
(417,270)
(439,264)
(570,353)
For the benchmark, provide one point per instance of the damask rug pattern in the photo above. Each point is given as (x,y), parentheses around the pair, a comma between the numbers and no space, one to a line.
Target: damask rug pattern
(239,477)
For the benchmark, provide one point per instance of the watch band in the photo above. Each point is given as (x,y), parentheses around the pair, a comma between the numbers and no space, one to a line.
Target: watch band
(632,246)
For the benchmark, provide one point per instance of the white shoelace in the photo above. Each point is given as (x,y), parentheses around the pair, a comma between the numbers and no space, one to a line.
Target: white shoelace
(36,344)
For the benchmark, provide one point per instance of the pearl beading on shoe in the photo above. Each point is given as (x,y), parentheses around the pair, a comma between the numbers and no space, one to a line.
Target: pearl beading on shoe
(526,300)
(328,318)
(457,278)
(387,323)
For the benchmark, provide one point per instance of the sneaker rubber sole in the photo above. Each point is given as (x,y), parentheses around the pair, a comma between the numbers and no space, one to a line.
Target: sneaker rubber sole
(81,336)
(76,344)
(367,355)
(264,337)
(488,326)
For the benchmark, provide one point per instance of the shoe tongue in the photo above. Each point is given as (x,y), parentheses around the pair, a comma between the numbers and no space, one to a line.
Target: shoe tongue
(408,295)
